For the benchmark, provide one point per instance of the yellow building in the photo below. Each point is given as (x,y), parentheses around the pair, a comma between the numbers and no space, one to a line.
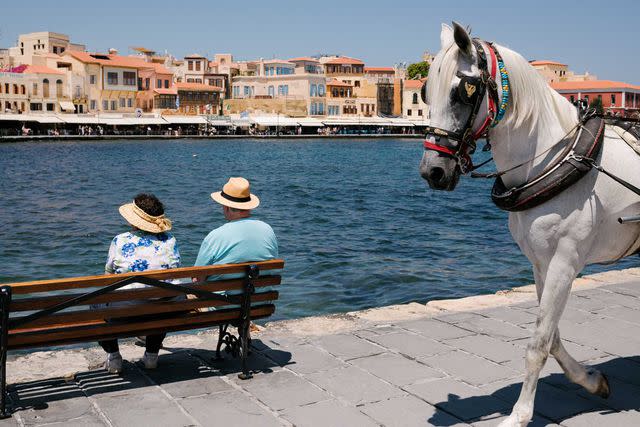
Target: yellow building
(34,88)
(554,72)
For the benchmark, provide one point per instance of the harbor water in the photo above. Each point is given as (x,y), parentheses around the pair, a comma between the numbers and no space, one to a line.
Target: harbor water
(357,225)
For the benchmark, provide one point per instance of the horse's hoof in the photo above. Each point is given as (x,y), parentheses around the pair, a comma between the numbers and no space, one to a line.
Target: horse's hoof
(603,388)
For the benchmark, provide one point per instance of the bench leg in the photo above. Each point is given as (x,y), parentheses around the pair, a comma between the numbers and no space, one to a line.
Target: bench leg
(5,300)
(243,331)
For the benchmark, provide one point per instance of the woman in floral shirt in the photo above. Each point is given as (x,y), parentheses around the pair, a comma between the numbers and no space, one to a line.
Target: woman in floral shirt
(148,246)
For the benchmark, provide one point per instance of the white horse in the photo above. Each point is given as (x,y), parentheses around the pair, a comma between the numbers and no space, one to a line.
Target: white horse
(559,237)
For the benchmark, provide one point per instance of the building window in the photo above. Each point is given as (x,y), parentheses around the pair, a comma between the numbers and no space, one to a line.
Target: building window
(45,88)
(572,99)
(197,65)
(415,98)
(613,99)
(112,78)
(270,91)
(92,79)
(236,91)
(158,83)
(93,104)
(247,91)
(586,99)
(35,106)
(23,89)
(105,105)
(147,83)
(59,92)
(356,83)
(320,108)
(408,112)
(321,91)
(420,112)
(129,78)
(51,106)
(114,105)
(130,102)
(313,90)
(190,65)
(122,102)
(6,88)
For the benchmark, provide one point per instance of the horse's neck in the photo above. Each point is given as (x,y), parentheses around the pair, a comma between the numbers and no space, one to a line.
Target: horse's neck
(533,150)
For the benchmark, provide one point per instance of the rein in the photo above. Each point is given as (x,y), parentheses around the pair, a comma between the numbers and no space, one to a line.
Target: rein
(472,91)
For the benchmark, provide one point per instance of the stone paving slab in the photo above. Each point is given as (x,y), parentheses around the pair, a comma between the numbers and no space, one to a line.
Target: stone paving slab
(431,368)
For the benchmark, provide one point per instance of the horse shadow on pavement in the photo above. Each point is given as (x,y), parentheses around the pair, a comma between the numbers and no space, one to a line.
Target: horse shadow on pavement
(557,399)
(181,373)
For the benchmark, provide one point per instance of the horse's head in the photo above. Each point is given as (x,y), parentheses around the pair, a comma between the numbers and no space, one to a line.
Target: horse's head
(458,85)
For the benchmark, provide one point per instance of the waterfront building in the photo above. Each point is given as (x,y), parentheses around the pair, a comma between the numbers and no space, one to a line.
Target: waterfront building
(553,72)
(618,98)
(198,98)
(363,89)
(156,89)
(109,82)
(295,88)
(34,88)
(39,43)
(412,105)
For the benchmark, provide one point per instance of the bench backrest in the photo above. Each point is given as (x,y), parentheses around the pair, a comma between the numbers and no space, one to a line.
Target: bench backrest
(64,311)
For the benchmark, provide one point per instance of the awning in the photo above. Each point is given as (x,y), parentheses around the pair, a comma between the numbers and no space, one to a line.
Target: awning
(67,106)
(48,119)
(274,121)
(185,120)
(219,121)
(310,122)
(241,123)
(78,119)
(150,121)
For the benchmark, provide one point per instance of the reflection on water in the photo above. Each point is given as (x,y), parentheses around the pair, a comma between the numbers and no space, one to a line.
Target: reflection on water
(357,225)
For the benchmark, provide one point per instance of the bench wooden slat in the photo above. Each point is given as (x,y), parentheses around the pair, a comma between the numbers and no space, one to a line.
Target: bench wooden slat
(84,333)
(38,303)
(133,310)
(103,280)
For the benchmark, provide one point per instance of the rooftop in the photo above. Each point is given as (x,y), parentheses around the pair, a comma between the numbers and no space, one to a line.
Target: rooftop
(31,69)
(413,84)
(593,85)
(197,87)
(335,82)
(344,60)
(303,59)
(389,70)
(543,62)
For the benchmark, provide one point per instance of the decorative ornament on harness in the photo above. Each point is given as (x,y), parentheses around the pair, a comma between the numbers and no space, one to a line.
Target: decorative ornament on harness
(471,91)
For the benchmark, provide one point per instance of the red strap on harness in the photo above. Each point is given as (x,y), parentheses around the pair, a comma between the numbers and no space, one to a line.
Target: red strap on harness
(435,147)
(491,112)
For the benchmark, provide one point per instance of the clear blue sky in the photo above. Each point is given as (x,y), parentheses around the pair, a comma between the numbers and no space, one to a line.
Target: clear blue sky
(601,37)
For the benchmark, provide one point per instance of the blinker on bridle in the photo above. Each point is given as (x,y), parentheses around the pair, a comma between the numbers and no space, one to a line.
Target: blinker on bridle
(471,91)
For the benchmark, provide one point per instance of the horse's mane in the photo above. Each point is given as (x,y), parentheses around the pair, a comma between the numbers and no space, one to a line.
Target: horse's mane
(533,103)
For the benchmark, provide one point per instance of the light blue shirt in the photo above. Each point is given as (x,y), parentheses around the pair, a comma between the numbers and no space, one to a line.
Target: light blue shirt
(241,240)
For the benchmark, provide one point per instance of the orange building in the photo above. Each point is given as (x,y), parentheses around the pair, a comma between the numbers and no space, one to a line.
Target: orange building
(618,98)
(198,98)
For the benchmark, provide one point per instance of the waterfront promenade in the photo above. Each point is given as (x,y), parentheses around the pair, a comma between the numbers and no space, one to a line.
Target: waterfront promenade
(451,362)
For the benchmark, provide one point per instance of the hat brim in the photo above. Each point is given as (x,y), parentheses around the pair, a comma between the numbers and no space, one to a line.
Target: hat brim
(251,204)
(132,218)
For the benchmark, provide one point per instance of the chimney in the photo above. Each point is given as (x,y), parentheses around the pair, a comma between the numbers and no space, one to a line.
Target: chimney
(113,51)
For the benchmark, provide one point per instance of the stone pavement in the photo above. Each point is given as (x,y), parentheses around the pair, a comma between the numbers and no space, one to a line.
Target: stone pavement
(445,363)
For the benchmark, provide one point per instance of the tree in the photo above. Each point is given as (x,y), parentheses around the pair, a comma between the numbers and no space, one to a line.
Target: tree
(597,104)
(418,70)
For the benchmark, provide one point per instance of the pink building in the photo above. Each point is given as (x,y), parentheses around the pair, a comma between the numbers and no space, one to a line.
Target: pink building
(156,90)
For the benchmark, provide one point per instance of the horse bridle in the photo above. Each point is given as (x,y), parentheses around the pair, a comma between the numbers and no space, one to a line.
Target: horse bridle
(471,91)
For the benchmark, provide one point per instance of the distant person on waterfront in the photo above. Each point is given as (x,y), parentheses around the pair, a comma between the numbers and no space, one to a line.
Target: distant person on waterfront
(241,239)
(148,246)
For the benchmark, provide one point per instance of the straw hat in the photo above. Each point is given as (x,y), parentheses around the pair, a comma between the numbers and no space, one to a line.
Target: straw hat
(236,194)
(142,220)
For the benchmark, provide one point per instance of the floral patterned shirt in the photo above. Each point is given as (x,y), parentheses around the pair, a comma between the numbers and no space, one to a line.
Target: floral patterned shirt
(139,251)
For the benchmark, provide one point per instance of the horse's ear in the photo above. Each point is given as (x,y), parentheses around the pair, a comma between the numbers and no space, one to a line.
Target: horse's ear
(462,39)
(446,36)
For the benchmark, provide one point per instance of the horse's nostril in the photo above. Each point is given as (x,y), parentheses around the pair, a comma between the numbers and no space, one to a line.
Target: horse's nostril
(436,174)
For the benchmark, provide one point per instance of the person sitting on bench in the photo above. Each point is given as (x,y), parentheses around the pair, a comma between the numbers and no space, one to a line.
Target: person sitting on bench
(148,246)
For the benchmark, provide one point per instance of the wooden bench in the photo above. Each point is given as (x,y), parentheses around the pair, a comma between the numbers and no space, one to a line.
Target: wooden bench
(56,312)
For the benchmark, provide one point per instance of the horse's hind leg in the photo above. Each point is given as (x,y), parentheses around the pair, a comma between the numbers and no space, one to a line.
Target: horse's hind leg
(556,285)
(591,379)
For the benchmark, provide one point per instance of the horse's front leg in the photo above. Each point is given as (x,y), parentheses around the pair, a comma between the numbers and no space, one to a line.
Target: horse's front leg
(556,286)
(591,379)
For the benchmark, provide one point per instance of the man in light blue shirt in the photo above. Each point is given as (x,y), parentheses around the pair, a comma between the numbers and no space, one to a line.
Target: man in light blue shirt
(241,239)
